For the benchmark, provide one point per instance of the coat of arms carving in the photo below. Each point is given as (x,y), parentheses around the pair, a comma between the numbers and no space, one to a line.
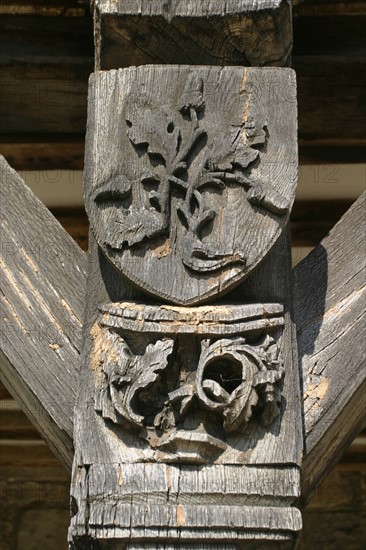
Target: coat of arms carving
(201,181)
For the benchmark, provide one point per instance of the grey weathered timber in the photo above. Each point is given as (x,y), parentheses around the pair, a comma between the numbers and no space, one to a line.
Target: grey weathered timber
(175,396)
(191,182)
(330,297)
(42,294)
(311,221)
(195,32)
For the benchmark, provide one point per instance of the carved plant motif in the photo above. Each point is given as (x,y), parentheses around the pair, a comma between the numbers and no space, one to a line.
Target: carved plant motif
(175,144)
(235,378)
(127,375)
(233,381)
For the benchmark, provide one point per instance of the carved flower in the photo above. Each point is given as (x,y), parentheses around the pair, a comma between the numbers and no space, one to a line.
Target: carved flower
(192,97)
(255,130)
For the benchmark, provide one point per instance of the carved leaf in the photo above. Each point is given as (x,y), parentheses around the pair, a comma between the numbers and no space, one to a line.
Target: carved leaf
(143,372)
(210,181)
(215,392)
(204,216)
(133,226)
(156,130)
(265,195)
(255,130)
(227,151)
(118,188)
(244,156)
(115,360)
(192,97)
(239,409)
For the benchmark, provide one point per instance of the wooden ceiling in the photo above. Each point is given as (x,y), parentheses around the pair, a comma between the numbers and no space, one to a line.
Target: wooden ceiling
(47,55)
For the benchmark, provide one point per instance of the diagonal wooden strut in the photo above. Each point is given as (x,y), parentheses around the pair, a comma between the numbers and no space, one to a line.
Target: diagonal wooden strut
(42,292)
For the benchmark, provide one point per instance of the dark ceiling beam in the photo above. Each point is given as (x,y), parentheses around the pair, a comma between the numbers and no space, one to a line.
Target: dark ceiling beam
(45,63)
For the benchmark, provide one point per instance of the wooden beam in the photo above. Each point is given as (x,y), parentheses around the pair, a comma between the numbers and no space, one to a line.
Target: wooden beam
(42,284)
(43,152)
(230,32)
(76,280)
(45,63)
(332,151)
(330,297)
(48,8)
(117,437)
(311,220)
(311,8)
(66,151)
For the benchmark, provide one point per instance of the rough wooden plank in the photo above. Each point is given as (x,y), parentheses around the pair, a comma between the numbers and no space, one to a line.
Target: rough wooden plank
(311,8)
(331,151)
(52,151)
(49,8)
(325,83)
(35,499)
(330,318)
(14,425)
(45,63)
(43,152)
(312,220)
(224,32)
(43,277)
(44,67)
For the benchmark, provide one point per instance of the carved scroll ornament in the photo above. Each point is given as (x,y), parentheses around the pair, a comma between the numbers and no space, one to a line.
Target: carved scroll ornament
(151,391)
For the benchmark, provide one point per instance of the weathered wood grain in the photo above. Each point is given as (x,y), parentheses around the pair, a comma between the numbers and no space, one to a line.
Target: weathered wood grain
(45,63)
(42,285)
(330,298)
(332,263)
(312,220)
(199,32)
(35,498)
(56,57)
(311,8)
(47,8)
(62,151)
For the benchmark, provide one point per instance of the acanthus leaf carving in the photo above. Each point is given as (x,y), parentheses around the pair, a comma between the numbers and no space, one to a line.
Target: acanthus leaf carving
(235,381)
(127,375)
(254,374)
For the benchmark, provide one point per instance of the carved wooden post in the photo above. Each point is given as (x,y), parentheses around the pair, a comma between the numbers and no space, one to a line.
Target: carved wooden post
(188,420)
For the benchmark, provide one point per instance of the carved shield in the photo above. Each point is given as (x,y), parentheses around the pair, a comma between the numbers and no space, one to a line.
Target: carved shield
(191,175)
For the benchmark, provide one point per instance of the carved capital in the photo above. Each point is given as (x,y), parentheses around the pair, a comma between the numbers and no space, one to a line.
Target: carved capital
(195,403)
